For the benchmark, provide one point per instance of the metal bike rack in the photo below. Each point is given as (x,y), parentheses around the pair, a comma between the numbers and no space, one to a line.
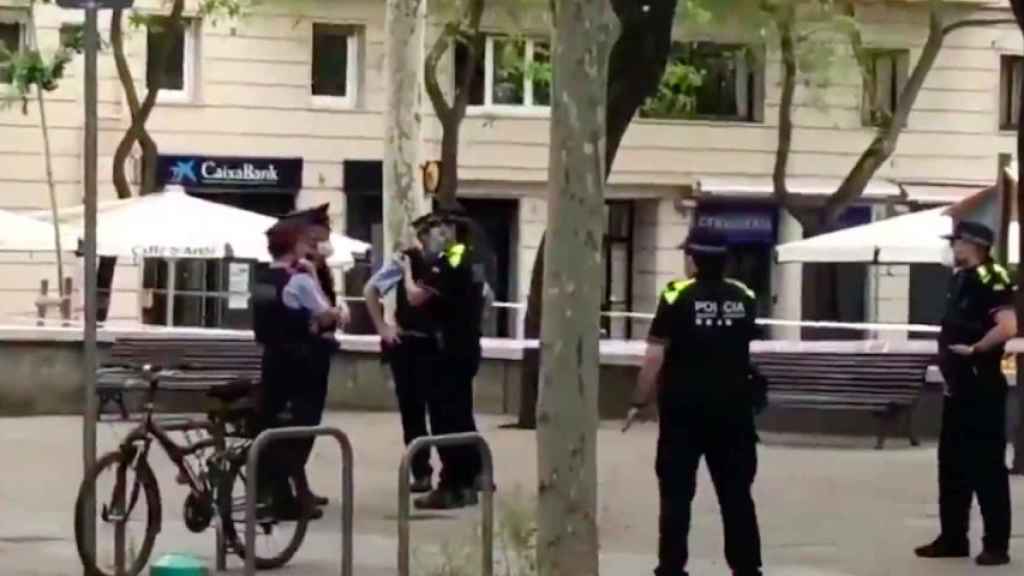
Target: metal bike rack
(486,481)
(347,489)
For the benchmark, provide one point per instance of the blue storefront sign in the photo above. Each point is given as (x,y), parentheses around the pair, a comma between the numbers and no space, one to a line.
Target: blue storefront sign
(747,224)
(756,223)
(230,173)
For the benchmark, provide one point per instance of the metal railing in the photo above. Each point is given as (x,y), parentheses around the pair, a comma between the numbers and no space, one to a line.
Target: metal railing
(347,488)
(485,483)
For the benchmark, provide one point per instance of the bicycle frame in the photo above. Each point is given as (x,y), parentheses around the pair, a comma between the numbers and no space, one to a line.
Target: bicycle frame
(152,429)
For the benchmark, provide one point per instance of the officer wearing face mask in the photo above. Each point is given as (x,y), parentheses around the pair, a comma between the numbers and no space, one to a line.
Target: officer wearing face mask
(978,320)
(454,290)
(411,346)
(317,227)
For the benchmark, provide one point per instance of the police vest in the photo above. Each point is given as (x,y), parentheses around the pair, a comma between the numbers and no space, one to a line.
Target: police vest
(275,325)
(413,318)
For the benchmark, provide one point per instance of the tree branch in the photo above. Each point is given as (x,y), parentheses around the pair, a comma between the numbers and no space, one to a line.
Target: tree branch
(139,112)
(636,64)
(884,143)
(976,23)
(785,17)
(475,44)
(433,87)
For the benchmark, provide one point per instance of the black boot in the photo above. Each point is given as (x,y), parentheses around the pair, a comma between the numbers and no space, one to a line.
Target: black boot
(993,558)
(942,548)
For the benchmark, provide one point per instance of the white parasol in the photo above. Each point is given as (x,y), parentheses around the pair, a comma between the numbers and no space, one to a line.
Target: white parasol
(23,234)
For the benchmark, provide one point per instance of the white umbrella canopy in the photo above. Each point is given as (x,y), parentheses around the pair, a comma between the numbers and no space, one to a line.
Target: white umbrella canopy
(172,224)
(914,238)
(23,234)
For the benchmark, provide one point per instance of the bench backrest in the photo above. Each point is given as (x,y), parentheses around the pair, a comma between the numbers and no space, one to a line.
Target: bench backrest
(187,354)
(843,379)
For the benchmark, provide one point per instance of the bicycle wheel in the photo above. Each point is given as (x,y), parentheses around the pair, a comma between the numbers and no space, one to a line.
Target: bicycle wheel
(277,541)
(142,501)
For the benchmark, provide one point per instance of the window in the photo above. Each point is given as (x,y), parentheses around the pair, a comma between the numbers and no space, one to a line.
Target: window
(12,40)
(1009,91)
(511,73)
(335,63)
(72,36)
(176,77)
(709,81)
(884,80)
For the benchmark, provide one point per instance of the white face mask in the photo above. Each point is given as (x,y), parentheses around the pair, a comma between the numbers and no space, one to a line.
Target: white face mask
(947,258)
(325,249)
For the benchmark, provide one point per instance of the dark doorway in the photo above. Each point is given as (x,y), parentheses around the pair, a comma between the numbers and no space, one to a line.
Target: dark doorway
(620,227)
(498,218)
(928,287)
(364,218)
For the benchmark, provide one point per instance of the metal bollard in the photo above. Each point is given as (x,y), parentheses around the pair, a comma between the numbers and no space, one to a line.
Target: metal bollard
(486,481)
(347,488)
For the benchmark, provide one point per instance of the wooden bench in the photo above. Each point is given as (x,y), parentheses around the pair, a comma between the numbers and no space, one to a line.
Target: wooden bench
(189,366)
(886,385)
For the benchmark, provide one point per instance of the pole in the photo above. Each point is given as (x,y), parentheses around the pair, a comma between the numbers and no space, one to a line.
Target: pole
(89,329)
(172,282)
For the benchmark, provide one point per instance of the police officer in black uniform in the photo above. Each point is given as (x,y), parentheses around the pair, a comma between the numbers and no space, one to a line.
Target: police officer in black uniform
(317,226)
(978,321)
(698,365)
(412,347)
(454,290)
(285,369)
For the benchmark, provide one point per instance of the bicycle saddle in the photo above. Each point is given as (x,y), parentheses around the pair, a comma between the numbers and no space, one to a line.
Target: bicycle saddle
(234,390)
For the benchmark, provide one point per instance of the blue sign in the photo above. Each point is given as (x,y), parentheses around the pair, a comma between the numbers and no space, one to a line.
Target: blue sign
(746,224)
(230,173)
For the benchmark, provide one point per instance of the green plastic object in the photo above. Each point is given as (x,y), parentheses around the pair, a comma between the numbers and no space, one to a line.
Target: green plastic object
(178,565)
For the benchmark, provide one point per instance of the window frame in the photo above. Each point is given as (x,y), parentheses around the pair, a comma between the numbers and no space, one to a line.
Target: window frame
(352,66)
(897,80)
(191,29)
(1008,64)
(20,19)
(754,91)
(528,107)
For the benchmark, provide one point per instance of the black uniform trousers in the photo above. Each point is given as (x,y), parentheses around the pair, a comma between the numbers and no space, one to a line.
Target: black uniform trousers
(414,362)
(309,401)
(282,373)
(972,457)
(450,404)
(731,455)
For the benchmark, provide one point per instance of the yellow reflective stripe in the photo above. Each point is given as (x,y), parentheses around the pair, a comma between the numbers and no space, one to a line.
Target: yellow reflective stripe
(984,274)
(674,289)
(455,254)
(1004,276)
(743,287)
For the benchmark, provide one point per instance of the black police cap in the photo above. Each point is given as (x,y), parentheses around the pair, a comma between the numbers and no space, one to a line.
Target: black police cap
(973,232)
(316,216)
(705,241)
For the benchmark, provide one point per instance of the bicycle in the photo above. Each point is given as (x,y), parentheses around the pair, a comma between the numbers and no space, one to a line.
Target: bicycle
(212,469)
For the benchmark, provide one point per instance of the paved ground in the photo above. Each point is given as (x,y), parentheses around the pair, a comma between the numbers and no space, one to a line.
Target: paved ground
(827,506)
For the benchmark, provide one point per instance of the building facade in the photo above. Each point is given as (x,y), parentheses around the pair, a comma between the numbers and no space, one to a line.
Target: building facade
(283,108)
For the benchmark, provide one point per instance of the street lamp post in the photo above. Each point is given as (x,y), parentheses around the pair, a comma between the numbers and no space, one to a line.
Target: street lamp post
(89,414)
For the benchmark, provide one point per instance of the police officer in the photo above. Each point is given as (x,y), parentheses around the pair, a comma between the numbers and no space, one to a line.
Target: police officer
(454,289)
(978,320)
(698,365)
(285,371)
(412,346)
(316,226)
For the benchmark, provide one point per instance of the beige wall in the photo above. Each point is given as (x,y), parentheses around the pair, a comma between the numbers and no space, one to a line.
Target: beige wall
(253,99)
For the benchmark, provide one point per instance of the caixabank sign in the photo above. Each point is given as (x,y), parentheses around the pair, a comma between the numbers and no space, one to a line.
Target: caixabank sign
(230,173)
